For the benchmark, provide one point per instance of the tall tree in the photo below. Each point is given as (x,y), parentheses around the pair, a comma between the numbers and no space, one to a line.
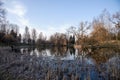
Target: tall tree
(14,27)
(104,19)
(19,38)
(34,35)
(41,39)
(2,20)
(99,33)
(13,34)
(26,35)
(2,17)
(115,19)
(58,39)
(79,32)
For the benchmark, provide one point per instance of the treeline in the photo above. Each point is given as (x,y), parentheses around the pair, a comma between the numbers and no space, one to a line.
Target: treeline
(9,33)
(105,27)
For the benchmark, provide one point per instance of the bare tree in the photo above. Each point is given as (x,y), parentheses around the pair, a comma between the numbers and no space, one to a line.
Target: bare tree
(19,38)
(34,35)
(79,32)
(99,33)
(2,20)
(115,19)
(58,39)
(14,27)
(41,36)
(2,17)
(72,31)
(102,27)
(26,35)
(41,39)
(104,18)
(83,29)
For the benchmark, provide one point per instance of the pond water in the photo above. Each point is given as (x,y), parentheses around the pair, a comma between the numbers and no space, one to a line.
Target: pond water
(100,64)
(61,53)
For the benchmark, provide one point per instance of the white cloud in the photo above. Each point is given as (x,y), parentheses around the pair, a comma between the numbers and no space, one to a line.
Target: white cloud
(16,8)
(19,11)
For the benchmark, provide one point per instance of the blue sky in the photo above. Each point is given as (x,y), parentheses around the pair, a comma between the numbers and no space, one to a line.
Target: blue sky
(50,16)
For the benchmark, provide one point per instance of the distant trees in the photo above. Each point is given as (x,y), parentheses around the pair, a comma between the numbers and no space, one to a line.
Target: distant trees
(2,21)
(106,27)
(13,33)
(54,38)
(13,27)
(11,37)
(58,39)
(8,32)
(34,35)
(71,40)
(26,36)
(19,38)
(103,28)
(41,39)
(8,39)
(2,16)
(79,32)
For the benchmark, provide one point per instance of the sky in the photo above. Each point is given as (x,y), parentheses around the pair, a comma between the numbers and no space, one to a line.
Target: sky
(50,16)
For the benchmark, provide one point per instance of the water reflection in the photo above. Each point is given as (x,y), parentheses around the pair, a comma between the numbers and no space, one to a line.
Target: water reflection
(100,56)
(102,64)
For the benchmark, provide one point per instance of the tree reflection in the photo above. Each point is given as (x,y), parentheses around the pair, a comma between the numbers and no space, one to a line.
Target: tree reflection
(58,51)
(103,55)
(40,49)
(101,64)
(72,50)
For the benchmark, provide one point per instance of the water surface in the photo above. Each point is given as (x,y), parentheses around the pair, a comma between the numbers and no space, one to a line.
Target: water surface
(100,64)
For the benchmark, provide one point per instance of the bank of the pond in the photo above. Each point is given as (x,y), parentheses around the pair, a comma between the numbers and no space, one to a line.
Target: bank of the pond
(105,44)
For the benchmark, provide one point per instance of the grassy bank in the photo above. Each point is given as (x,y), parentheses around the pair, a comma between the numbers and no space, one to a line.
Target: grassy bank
(105,44)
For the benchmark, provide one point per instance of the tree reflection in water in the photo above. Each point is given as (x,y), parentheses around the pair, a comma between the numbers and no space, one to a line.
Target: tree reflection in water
(101,64)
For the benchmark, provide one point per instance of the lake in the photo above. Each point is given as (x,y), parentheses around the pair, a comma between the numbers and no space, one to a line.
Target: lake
(99,64)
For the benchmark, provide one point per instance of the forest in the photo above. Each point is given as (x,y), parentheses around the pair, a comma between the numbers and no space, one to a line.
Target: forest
(103,29)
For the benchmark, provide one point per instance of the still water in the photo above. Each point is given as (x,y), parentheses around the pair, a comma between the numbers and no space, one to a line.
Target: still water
(61,53)
(100,64)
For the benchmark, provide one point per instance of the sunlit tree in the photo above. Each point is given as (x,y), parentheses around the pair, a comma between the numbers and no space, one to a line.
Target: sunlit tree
(8,39)
(99,33)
